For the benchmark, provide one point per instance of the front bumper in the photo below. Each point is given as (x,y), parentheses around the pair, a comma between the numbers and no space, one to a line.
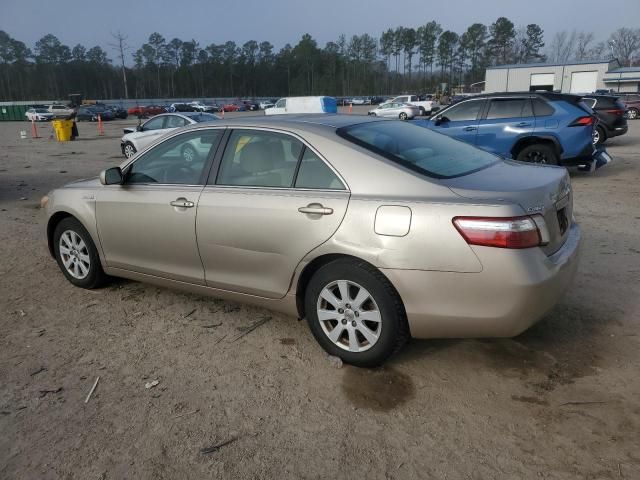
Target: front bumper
(514,290)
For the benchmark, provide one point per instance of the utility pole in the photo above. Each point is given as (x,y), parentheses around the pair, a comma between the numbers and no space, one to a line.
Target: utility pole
(121,46)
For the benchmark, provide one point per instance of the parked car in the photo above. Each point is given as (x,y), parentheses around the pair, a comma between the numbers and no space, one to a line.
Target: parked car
(136,139)
(39,115)
(251,106)
(266,104)
(611,117)
(233,107)
(426,106)
(203,107)
(303,105)
(91,113)
(376,100)
(373,230)
(358,101)
(631,104)
(146,111)
(538,127)
(118,112)
(403,111)
(60,111)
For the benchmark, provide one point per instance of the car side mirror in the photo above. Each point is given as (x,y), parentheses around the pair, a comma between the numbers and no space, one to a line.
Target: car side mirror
(139,128)
(111,176)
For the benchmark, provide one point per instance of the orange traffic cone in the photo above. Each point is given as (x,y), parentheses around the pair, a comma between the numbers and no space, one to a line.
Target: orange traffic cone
(350,107)
(34,129)
(100,126)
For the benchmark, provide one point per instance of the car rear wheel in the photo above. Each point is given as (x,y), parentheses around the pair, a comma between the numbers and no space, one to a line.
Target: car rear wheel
(129,150)
(403,116)
(538,153)
(355,313)
(633,114)
(599,136)
(76,254)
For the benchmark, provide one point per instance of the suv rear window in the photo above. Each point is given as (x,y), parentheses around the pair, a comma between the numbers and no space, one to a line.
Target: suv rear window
(541,108)
(418,148)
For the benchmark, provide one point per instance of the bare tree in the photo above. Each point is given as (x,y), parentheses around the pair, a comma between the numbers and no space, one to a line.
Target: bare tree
(562,46)
(121,46)
(625,44)
(582,50)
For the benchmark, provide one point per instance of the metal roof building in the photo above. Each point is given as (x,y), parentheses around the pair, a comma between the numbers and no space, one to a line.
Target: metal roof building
(575,77)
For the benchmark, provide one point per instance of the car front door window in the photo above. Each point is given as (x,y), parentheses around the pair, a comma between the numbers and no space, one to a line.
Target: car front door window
(463,111)
(179,161)
(256,158)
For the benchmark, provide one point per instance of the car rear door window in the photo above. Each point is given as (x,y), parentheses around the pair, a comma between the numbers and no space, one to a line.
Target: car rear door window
(314,173)
(463,111)
(256,158)
(506,108)
(179,160)
(175,121)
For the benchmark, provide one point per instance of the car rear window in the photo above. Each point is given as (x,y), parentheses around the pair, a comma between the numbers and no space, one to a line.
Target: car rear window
(418,148)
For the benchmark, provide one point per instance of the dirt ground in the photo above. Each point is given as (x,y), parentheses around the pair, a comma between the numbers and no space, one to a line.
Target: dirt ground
(561,401)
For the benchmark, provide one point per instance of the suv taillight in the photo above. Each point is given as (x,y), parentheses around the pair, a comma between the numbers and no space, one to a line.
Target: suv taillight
(616,111)
(583,122)
(509,232)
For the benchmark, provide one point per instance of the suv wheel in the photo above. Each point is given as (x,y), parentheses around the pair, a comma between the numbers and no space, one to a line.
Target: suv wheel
(599,136)
(538,153)
(632,114)
(355,313)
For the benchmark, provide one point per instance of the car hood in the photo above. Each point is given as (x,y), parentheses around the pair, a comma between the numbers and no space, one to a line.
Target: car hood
(92,182)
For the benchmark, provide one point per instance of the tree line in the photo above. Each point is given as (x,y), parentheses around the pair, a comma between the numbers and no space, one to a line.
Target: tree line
(403,59)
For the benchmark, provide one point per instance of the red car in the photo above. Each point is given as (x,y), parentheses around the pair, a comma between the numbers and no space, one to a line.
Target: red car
(146,111)
(230,107)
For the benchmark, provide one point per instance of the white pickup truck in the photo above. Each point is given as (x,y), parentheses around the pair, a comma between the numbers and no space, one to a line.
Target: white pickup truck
(426,104)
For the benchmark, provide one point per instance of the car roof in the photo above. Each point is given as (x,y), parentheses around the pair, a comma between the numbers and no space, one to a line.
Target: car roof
(322,122)
(547,95)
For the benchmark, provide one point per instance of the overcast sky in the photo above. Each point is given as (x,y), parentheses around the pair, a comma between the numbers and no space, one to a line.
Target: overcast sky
(284,21)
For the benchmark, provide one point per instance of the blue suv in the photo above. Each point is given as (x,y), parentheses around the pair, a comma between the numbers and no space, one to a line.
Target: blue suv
(539,127)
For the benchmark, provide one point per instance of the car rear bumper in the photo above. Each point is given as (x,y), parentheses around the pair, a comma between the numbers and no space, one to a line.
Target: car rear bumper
(616,131)
(514,290)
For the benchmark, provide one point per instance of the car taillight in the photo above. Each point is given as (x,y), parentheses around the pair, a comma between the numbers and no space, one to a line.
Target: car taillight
(582,122)
(616,111)
(509,232)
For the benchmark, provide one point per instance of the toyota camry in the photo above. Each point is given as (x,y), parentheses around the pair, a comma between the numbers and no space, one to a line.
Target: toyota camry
(372,230)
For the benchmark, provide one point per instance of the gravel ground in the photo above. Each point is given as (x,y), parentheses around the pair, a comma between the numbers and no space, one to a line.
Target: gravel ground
(561,401)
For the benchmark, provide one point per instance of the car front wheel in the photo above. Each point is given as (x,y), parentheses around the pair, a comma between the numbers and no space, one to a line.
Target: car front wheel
(76,254)
(403,116)
(129,150)
(355,313)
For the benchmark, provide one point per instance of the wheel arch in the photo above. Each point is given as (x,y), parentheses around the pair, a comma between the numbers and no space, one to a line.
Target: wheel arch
(536,139)
(314,265)
(53,222)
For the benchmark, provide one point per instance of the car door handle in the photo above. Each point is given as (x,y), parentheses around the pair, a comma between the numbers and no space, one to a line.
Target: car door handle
(182,202)
(470,129)
(523,124)
(316,209)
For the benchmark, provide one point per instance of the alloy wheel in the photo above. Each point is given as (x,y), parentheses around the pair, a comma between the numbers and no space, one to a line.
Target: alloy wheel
(129,150)
(403,116)
(189,154)
(74,254)
(537,156)
(596,136)
(633,114)
(349,316)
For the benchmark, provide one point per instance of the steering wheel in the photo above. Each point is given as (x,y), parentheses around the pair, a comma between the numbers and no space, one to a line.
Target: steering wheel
(177,174)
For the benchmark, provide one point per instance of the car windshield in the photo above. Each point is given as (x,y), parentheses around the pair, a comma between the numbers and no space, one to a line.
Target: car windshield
(418,148)
(41,110)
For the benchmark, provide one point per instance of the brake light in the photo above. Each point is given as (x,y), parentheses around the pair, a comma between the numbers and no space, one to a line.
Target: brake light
(510,232)
(616,111)
(582,122)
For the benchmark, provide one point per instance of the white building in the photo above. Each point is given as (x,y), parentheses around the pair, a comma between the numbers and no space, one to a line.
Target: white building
(577,77)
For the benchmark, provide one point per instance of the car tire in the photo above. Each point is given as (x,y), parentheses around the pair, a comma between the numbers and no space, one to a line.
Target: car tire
(363,343)
(129,150)
(403,116)
(189,154)
(599,136)
(538,153)
(77,255)
(633,114)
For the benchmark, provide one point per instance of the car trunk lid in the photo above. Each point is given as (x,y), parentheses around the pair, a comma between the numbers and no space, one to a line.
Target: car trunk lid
(537,189)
